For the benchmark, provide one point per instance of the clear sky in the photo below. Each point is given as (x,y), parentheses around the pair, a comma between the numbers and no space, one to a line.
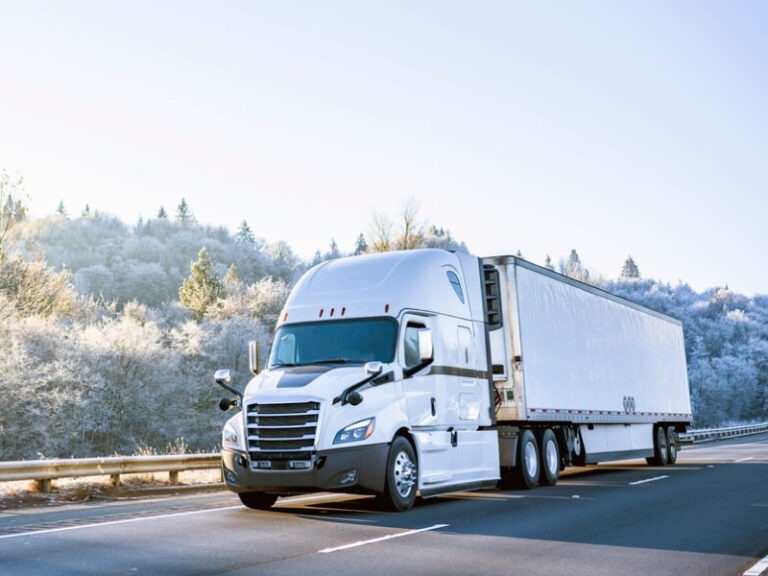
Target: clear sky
(615,128)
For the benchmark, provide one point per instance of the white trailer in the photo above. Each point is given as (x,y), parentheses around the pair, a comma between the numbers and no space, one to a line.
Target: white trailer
(608,377)
(425,372)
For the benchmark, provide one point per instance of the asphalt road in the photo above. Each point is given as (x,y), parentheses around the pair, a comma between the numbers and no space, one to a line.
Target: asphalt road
(708,515)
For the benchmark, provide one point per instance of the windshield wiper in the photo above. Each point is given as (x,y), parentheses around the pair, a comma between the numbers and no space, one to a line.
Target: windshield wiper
(332,361)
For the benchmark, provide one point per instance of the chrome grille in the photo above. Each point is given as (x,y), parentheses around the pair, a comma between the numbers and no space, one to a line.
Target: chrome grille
(281,433)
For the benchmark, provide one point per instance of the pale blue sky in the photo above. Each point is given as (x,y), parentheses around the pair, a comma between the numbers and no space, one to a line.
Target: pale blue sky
(616,128)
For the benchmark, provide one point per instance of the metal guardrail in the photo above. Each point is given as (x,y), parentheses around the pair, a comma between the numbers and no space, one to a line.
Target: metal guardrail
(44,471)
(696,436)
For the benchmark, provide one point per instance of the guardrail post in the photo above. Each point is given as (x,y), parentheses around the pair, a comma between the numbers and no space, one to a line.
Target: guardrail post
(173,476)
(43,486)
(115,479)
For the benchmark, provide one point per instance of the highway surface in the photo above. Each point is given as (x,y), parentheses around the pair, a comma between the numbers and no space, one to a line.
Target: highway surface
(708,515)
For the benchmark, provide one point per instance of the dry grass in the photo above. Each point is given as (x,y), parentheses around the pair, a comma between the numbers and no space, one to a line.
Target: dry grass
(68,490)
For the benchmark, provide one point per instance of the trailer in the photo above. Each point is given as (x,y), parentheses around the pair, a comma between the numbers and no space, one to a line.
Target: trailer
(418,373)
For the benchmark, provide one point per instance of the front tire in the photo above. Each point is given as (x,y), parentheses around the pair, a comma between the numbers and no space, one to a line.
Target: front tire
(257,500)
(402,477)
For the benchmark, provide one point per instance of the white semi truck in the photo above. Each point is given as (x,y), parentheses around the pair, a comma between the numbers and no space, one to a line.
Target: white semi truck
(424,372)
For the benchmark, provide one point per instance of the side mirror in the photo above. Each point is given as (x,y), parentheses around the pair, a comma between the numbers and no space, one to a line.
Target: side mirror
(373,368)
(426,347)
(224,378)
(254,357)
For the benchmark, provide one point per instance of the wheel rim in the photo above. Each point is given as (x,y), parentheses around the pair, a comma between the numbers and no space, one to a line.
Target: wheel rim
(672,445)
(551,452)
(405,474)
(531,460)
(663,449)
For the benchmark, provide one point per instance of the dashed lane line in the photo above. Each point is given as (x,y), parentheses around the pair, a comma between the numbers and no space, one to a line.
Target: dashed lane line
(381,539)
(648,480)
(113,522)
(758,569)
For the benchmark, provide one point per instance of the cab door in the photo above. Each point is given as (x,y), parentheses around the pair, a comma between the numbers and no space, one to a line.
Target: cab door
(419,389)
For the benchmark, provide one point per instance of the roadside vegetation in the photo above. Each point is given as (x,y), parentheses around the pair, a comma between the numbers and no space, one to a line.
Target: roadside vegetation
(111,332)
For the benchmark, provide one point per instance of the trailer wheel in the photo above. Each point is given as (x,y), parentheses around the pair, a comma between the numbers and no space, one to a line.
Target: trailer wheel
(550,458)
(660,448)
(671,445)
(528,467)
(402,477)
(257,500)
(578,456)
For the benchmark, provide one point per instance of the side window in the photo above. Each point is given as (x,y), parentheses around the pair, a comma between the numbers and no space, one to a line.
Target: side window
(411,344)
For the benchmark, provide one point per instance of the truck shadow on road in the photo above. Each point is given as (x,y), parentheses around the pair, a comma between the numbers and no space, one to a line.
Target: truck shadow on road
(698,507)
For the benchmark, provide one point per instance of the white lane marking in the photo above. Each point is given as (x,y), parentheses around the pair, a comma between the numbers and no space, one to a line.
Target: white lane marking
(744,459)
(758,568)
(648,480)
(115,522)
(383,538)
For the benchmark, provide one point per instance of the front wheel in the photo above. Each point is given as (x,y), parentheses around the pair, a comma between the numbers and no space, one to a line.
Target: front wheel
(402,477)
(257,500)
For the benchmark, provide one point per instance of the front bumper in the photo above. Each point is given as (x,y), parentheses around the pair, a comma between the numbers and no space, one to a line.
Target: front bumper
(355,469)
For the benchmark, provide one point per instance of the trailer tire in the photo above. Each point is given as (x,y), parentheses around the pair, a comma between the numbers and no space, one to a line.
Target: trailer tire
(528,466)
(402,477)
(257,500)
(672,445)
(579,454)
(660,448)
(550,458)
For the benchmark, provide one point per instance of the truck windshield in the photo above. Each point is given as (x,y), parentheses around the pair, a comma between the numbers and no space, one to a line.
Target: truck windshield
(335,342)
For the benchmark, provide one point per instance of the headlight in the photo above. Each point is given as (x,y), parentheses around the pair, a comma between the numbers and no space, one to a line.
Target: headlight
(229,436)
(355,432)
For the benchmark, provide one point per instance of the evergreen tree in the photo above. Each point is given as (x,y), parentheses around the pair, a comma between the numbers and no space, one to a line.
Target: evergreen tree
(61,210)
(86,212)
(361,246)
(630,269)
(201,289)
(184,215)
(548,263)
(245,234)
(162,214)
(573,267)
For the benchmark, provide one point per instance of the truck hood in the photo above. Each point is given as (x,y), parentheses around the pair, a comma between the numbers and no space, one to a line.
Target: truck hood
(317,381)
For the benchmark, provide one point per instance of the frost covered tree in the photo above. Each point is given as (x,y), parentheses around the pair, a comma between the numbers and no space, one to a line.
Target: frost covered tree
(12,212)
(184,215)
(244,234)
(630,269)
(573,268)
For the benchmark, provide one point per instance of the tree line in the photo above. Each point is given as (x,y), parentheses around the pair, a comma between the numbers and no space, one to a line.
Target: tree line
(112,332)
